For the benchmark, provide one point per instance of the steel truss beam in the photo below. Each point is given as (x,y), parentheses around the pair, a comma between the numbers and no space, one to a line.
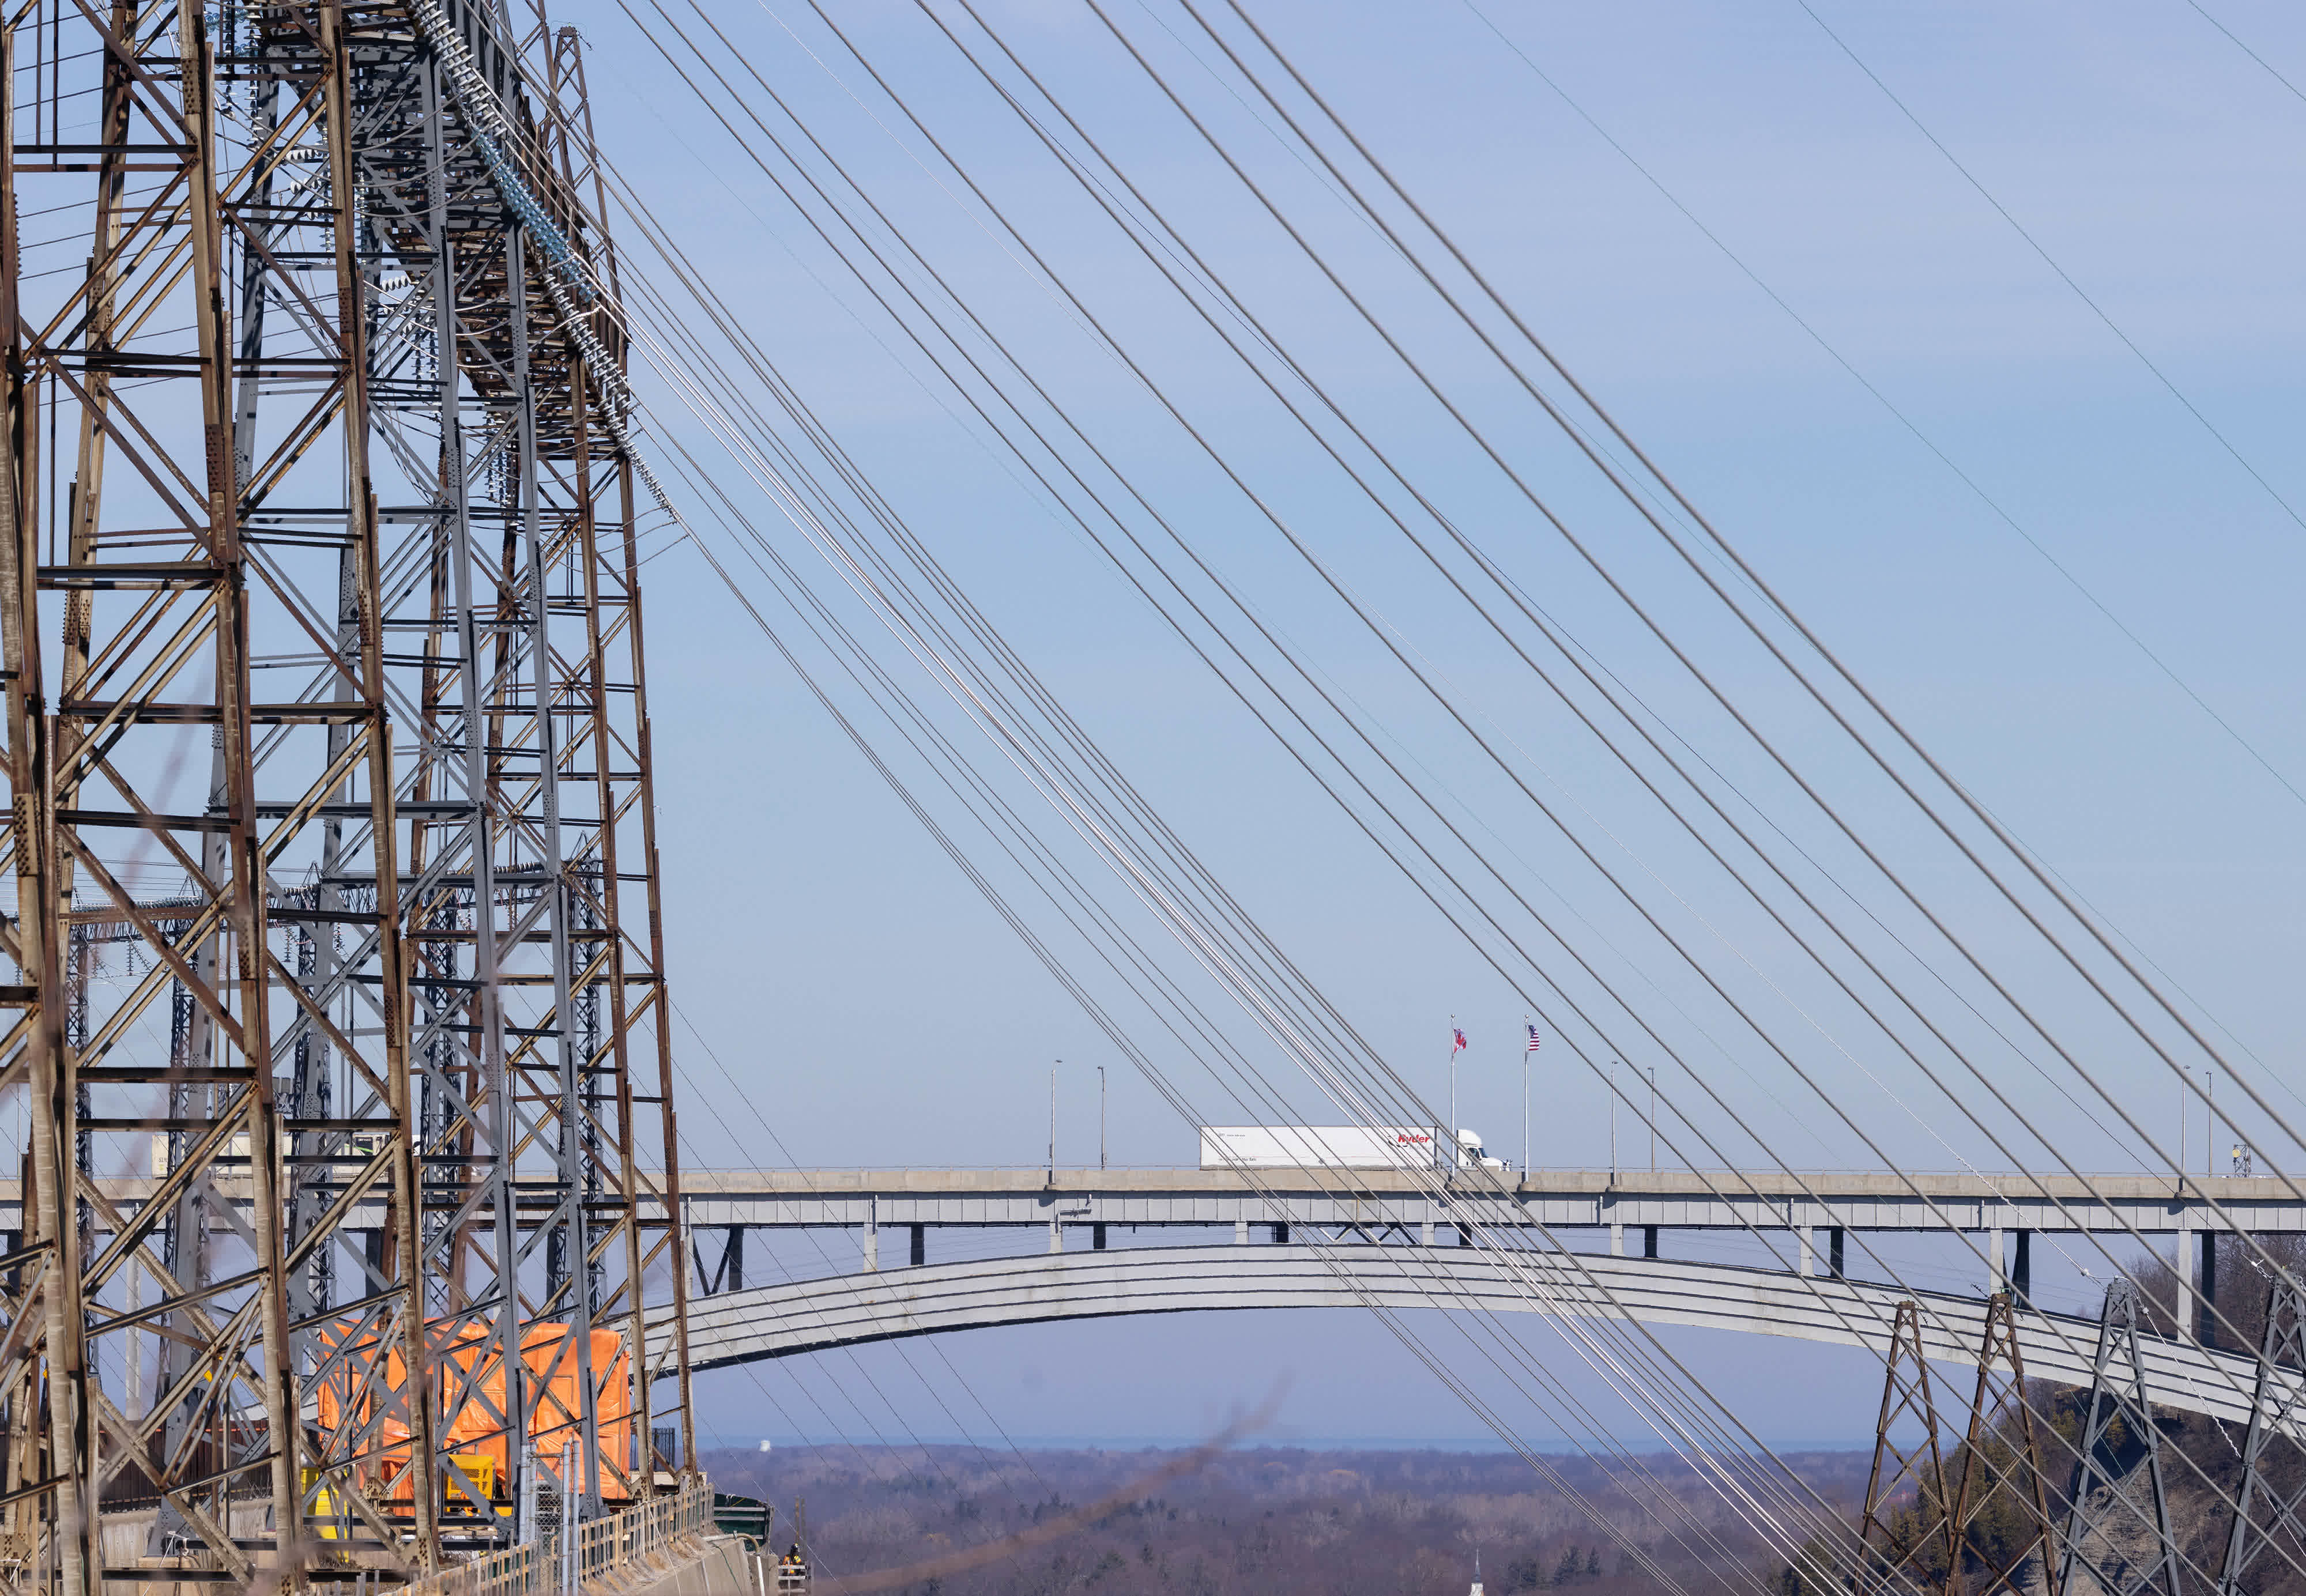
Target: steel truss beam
(2119,1416)
(1906,1544)
(305,462)
(1931,1538)
(2000,1470)
(2278,1406)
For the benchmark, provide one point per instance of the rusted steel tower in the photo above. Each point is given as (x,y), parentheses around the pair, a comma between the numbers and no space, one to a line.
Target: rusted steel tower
(337,1027)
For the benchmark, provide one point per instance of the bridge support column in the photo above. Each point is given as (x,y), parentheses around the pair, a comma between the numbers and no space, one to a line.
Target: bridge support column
(1240,1232)
(1096,1237)
(1805,1261)
(872,1234)
(1056,1232)
(2181,1272)
(1617,1241)
(1425,1231)
(2021,1270)
(1833,1252)
(2207,1307)
(1649,1241)
(1281,1235)
(1997,1277)
(733,1259)
(920,1249)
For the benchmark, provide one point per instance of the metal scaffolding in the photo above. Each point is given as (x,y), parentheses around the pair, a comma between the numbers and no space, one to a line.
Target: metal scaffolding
(347,1080)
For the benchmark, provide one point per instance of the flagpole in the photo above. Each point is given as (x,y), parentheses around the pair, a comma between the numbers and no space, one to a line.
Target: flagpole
(1525,1028)
(1453,1096)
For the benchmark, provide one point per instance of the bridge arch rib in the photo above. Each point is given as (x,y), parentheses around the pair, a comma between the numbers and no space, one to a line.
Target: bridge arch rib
(808,1316)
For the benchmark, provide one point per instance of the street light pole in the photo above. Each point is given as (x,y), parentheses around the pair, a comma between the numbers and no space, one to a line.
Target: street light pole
(1053,1121)
(1613,1122)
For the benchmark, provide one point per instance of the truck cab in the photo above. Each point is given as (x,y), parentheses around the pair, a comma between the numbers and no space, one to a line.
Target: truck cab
(1472,1155)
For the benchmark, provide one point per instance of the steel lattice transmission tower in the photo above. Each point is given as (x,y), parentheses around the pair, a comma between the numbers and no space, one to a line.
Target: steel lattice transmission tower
(338,1033)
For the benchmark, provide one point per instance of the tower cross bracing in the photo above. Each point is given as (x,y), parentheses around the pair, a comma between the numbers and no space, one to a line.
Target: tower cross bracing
(335,913)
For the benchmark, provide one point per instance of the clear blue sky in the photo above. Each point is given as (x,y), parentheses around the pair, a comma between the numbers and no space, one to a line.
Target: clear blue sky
(871,1010)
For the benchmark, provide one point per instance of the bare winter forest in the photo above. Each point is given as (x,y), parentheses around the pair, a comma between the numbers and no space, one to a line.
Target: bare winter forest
(1289,1522)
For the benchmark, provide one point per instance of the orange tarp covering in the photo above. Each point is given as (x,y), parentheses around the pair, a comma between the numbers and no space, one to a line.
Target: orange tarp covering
(474,1426)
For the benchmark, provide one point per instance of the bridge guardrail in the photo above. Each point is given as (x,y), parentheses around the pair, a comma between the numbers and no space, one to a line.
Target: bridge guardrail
(619,1551)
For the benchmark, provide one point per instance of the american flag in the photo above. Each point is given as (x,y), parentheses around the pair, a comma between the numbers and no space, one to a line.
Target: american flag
(1533,1038)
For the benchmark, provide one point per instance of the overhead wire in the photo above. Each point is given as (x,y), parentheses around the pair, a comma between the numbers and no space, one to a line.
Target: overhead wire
(1901,416)
(2035,245)
(2235,39)
(1123,1041)
(1809,639)
(981,19)
(1574,657)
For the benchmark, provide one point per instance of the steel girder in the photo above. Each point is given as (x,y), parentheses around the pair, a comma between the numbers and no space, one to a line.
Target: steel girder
(342,504)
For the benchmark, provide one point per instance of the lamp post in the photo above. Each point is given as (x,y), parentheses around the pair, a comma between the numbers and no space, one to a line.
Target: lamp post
(1613,1122)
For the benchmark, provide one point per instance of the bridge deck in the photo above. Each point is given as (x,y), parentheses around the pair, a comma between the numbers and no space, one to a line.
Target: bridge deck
(1379,1199)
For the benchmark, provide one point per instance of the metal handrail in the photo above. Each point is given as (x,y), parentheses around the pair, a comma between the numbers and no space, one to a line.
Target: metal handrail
(644,1539)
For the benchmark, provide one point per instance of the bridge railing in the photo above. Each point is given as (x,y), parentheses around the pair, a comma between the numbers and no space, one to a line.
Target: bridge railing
(609,1553)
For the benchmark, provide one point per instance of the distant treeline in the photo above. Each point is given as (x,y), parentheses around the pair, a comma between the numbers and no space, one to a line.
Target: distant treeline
(1275,1521)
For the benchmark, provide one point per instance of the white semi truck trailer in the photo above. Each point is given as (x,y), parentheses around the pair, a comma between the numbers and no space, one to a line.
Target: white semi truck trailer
(1335,1147)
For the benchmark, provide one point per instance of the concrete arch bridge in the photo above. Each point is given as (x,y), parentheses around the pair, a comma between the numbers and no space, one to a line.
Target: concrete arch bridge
(777,1321)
